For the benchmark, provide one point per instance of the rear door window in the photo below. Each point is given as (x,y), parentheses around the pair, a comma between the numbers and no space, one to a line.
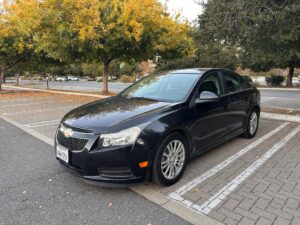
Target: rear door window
(232,82)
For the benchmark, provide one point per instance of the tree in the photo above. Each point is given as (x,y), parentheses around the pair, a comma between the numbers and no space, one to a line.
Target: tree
(100,31)
(215,55)
(92,70)
(16,33)
(266,31)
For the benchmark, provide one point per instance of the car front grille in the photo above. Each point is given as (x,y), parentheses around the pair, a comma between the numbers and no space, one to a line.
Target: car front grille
(70,142)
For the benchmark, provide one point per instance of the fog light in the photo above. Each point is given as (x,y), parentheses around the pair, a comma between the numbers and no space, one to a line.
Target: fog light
(143,164)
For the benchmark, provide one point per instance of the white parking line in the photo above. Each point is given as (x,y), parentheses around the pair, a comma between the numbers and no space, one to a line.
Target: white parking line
(43,123)
(40,110)
(267,99)
(177,195)
(233,184)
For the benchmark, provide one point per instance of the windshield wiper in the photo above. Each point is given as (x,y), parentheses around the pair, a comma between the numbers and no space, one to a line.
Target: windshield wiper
(143,98)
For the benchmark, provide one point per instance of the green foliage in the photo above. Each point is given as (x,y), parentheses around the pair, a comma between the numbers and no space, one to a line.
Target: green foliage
(92,70)
(186,62)
(213,55)
(266,32)
(274,80)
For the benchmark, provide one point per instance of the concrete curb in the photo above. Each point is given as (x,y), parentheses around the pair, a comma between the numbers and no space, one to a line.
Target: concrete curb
(57,92)
(282,117)
(152,195)
(278,89)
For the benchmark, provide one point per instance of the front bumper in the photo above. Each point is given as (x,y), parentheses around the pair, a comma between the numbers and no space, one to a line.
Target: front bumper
(117,166)
(101,180)
(113,166)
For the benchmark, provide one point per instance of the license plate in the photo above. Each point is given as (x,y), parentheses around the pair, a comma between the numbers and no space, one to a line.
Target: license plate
(62,153)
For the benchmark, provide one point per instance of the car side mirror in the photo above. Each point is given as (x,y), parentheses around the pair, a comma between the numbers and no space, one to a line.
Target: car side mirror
(207,96)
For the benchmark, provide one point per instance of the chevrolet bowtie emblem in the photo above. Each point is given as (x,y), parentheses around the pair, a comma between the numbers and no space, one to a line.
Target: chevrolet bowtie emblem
(67,132)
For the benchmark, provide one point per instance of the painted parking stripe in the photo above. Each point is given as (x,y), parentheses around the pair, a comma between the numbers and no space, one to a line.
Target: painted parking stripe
(267,99)
(40,110)
(215,200)
(177,195)
(43,123)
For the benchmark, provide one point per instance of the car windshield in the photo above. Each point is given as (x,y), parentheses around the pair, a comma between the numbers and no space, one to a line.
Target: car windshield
(166,87)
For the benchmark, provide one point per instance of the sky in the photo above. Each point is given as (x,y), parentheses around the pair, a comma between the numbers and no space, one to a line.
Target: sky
(189,9)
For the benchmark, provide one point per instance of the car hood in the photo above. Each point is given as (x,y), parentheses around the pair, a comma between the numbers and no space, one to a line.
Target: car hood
(107,114)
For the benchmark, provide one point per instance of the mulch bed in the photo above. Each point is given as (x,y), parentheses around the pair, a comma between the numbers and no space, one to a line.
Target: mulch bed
(12,91)
(293,112)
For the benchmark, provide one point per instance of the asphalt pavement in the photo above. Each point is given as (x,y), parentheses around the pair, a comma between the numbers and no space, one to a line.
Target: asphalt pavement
(35,190)
(280,98)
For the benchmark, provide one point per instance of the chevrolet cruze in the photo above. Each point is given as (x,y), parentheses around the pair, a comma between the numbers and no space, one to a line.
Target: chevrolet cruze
(156,126)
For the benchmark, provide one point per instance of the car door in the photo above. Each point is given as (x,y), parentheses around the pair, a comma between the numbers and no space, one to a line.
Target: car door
(238,98)
(211,119)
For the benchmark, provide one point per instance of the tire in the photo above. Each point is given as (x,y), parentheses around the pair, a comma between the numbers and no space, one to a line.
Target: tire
(252,124)
(176,160)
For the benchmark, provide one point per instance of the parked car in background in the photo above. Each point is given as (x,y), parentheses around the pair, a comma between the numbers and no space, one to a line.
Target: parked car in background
(73,78)
(156,126)
(90,78)
(60,79)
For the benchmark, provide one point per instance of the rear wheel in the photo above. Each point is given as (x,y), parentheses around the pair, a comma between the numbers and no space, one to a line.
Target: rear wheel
(170,160)
(252,124)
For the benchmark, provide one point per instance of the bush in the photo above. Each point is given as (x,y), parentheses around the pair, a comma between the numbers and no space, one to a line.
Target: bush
(274,80)
(127,79)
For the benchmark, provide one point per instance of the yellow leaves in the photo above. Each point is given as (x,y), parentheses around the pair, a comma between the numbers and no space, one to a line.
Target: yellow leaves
(107,27)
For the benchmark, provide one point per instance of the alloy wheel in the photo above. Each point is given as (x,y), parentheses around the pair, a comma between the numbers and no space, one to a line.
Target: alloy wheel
(173,159)
(253,123)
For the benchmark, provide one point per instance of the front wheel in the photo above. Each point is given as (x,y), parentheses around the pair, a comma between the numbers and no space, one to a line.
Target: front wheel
(170,160)
(252,124)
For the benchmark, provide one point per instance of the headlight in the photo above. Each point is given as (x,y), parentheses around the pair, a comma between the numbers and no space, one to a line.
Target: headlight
(124,137)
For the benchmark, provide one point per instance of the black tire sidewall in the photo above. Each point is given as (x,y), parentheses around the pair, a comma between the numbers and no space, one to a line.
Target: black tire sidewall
(156,170)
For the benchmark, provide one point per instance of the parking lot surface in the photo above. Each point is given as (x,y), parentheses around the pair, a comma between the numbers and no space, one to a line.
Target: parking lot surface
(245,181)
(35,190)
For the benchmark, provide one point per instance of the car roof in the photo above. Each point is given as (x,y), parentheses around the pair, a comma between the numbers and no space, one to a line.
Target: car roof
(199,71)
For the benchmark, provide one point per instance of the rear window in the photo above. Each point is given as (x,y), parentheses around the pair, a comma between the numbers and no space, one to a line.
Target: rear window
(245,83)
(232,82)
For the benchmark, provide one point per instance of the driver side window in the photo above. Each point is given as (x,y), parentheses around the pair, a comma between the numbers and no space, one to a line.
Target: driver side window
(212,84)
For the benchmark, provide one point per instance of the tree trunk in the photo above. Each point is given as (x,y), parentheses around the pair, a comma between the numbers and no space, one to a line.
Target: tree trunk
(289,79)
(1,77)
(105,78)
(18,79)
